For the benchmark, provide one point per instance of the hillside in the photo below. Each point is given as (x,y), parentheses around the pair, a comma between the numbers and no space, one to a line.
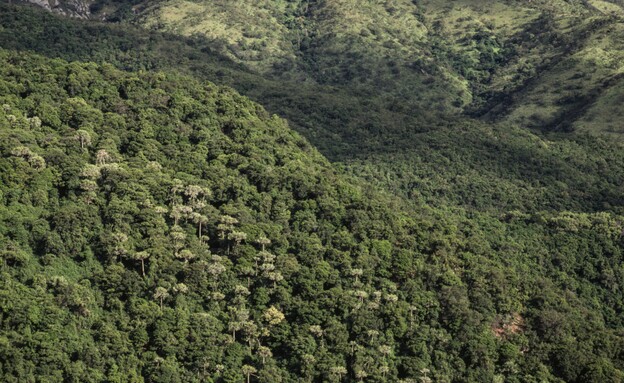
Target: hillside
(549,65)
(150,216)
(543,57)
(415,153)
(158,227)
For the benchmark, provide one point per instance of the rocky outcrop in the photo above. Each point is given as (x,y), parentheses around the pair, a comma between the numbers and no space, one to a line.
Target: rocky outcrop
(72,8)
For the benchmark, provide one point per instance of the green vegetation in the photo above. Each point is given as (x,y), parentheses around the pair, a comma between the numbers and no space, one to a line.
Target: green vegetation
(156,227)
(451,57)
(413,152)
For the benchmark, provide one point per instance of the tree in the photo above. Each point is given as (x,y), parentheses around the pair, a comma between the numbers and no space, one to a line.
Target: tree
(361,295)
(83,137)
(180,288)
(385,350)
(161,294)
(215,269)
(176,188)
(186,255)
(250,329)
(424,378)
(241,293)
(273,316)
(21,151)
(119,245)
(267,261)
(337,373)
(37,162)
(180,211)
(142,256)
(193,191)
(353,347)
(161,210)
(176,214)
(35,122)
(89,187)
(308,365)
(316,330)
(372,334)
(263,241)
(360,375)
(102,157)
(247,272)
(249,371)
(34,160)
(357,273)
(226,225)
(275,276)
(200,220)
(238,317)
(264,353)
(237,237)
(178,236)
(234,326)
(384,370)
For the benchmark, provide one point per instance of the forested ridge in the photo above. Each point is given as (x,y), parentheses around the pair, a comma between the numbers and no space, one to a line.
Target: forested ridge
(415,152)
(156,227)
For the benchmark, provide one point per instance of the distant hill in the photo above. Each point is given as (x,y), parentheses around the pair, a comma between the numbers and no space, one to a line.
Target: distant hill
(551,65)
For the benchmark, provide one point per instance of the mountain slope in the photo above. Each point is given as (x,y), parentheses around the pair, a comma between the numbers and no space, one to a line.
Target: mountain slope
(146,218)
(414,153)
(136,207)
(155,227)
(549,65)
(546,61)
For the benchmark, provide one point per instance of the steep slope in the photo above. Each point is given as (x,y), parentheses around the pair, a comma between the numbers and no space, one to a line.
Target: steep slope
(154,228)
(412,152)
(360,44)
(560,67)
(549,65)
(541,64)
(146,217)
(390,72)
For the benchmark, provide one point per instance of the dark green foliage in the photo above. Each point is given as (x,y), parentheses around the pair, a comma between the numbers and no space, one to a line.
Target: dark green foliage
(155,228)
(160,229)
(412,150)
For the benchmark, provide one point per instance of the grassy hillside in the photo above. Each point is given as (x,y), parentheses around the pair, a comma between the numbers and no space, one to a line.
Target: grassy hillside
(541,64)
(549,65)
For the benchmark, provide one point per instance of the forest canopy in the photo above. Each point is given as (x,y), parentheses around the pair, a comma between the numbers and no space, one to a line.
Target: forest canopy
(157,228)
(157,225)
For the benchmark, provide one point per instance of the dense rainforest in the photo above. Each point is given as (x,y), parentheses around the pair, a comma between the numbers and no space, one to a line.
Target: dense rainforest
(158,226)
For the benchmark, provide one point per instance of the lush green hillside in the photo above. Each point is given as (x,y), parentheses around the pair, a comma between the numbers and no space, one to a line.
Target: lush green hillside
(550,65)
(400,68)
(547,56)
(155,227)
(413,152)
